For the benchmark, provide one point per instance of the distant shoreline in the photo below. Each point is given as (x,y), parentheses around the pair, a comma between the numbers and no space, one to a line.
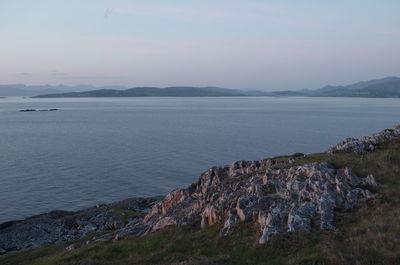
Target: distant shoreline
(388,87)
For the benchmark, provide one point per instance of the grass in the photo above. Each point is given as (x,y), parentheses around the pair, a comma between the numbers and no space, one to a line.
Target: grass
(368,235)
(121,211)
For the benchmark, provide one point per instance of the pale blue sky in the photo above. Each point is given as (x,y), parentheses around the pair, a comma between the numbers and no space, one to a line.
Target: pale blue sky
(245,44)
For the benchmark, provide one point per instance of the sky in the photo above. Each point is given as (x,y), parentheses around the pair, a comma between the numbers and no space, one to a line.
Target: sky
(243,44)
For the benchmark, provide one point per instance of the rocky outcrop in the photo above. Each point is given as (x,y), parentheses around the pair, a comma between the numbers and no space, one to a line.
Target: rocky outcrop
(279,200)
(61,226)
(367,143)
(275,195)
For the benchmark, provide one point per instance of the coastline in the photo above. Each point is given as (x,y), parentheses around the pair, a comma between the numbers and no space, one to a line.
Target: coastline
(140,216)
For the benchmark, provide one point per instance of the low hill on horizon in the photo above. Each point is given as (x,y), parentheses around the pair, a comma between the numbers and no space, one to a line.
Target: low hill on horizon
(385,87)
(388,87)
(22,90)
(177,91)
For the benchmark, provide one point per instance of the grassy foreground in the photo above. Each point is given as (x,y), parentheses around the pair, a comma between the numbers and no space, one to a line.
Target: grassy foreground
(368,235)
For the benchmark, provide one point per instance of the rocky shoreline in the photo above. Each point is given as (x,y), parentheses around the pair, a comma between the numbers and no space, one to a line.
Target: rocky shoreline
(274,193)
(62,226)
(366,144)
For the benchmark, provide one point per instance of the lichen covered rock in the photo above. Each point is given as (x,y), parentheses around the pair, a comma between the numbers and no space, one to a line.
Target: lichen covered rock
(279,200)
(367,143)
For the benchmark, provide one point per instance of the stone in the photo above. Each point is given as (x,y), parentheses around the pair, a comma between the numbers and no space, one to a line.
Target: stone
(163,222)
(209,216)
(230,222)
(370,180)
(59,226)
(71,247)
(244,206)
(299,195)
(299,217)
(366,144)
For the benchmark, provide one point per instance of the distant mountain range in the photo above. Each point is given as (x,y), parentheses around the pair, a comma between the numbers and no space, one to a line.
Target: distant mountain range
(388,87)
(20,90)
(160,92)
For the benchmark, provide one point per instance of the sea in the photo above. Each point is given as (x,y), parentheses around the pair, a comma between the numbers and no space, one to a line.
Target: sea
(101,150)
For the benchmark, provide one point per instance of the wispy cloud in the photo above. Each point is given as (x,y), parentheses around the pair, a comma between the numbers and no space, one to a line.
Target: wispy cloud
(268,8)
(169,12)
(88,77)
(24,73)
(108,12)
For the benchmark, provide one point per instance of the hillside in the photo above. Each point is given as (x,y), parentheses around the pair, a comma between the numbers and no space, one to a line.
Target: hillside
(19,90)
(388,87)
(155,92)
(361,227)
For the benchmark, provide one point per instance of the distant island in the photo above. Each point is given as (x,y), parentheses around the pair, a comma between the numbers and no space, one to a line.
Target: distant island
(179,91)
(388,87)
(21,90)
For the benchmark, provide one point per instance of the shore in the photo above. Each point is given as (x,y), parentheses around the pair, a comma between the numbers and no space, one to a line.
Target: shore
(278,195)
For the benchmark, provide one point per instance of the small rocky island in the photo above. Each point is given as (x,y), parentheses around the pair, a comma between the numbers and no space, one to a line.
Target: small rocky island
(30,110)
(276,196)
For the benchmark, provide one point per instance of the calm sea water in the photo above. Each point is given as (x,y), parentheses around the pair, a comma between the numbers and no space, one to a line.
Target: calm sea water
(103,150)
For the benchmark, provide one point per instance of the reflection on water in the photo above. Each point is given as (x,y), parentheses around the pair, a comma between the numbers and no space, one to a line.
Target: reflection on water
(101,150)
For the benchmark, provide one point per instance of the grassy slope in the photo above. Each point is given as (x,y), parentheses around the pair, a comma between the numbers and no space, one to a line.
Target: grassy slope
(369,235)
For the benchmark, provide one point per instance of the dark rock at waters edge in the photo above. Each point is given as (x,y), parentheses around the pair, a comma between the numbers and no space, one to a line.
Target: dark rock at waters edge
(48,110)
(61,226)
(274,193)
